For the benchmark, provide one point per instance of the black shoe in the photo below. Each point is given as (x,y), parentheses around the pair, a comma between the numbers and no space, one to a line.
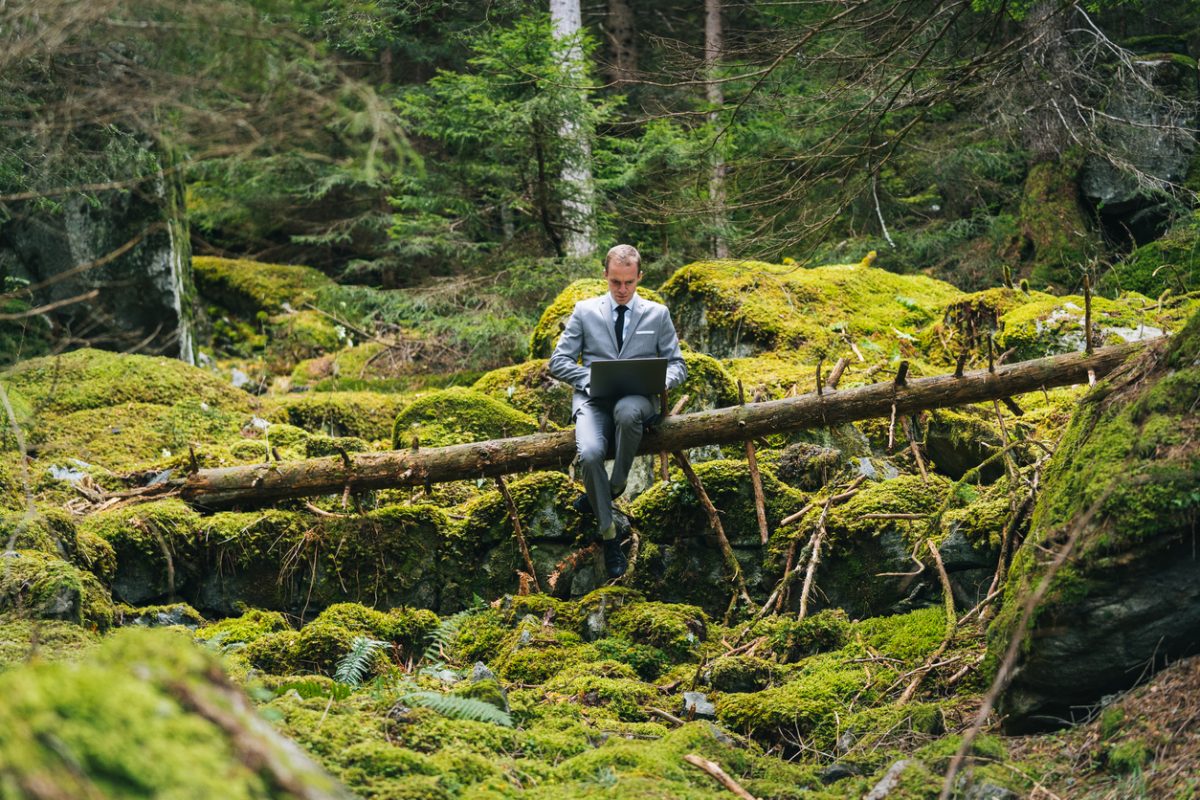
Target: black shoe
(582,505)
(615,561)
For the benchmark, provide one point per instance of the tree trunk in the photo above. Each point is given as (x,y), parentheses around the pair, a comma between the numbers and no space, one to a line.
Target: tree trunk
(716,99)
(268,482)
(578,193)
(622,42)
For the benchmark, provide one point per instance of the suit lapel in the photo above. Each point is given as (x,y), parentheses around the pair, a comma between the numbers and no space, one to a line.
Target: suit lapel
(606,314)
(631,320)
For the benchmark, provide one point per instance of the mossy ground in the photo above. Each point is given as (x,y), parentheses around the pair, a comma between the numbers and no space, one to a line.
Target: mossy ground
(285,591)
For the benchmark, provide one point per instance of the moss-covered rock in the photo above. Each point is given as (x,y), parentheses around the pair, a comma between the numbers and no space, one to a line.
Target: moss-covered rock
(84,379)
(292,338)
(682,558)
(157,548)
(554,318)
(148,716)
(677,629)
(530,389)
(246,287)
(1127,472)
(1056,240)
(1050,325)
(796,639)
(1169,263)
(242,630)
(737,308)
(455,416)
(483,557)
(47,587)
(128,437)
(25,640)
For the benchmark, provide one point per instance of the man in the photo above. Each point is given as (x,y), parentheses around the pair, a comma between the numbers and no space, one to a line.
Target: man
(613,326)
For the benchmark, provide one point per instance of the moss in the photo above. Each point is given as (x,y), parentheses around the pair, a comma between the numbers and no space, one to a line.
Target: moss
(142,536)
(406,627)
(809,705)
(131,436)
(1054,230)
(1171,262)
(530,389)
(909,637)
(47,587)
(892,727)
(455,416)
(292,338)
(479,637)
(246,287)
(274,653)
(50,530)
(626,698)
(554,318)
(742,674)
(676,629)
(1050,325)
(247,628)
(795,639)
(1115,456)
(162,616)
(647,661)
(320,646)
(83,379)
(1129,756)
(113,728)
(24,640)
(367,415)
(737,307)
(533,653)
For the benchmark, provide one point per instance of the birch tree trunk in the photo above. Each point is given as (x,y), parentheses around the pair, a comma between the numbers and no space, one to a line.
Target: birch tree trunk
(716,99)
(579,232)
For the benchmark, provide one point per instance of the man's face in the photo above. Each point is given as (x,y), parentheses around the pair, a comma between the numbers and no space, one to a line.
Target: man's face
(623,277)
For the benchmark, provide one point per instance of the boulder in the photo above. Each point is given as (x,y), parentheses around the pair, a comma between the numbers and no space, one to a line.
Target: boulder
(1128,598)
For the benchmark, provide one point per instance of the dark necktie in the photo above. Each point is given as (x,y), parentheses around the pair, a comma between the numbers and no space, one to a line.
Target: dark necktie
(621,326)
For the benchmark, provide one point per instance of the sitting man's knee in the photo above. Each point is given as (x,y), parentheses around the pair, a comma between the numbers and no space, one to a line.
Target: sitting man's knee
(591,454)
(627,415)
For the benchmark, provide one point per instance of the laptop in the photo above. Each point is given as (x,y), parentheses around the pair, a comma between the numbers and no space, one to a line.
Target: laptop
(644,376)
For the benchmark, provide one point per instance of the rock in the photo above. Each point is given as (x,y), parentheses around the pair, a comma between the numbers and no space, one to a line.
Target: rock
(1128,598)
(480,672)
(697,705)
(889,781)
(144,293)
(838,771)
(989,791)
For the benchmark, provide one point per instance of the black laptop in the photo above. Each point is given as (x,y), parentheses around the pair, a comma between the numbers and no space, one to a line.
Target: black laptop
(645,376)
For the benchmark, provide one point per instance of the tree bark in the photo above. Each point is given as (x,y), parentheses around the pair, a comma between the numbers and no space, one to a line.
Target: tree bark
(621,32)
(713,37)
(579,230)
(257,483)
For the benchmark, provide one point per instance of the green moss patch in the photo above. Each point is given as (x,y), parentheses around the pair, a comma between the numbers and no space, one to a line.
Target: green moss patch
(456,416)
(367,415)
(246,287)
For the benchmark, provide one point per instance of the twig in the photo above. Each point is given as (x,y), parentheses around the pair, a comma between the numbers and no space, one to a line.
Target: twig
(760,501)
(33,312)
(520,534)
(714,520)
(680,404)
(951,626)
(714,769)
(665,715)
(814,558)
(916,451)
(1004,671)
(835,376)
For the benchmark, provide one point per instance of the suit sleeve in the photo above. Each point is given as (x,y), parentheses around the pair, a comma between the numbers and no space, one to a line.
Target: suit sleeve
(564,362)
(668,346)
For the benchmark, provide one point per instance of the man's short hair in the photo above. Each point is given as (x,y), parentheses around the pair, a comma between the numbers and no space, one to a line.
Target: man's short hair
(623,253)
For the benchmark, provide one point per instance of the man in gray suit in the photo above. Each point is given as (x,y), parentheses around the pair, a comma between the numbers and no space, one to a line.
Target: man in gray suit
(615,325)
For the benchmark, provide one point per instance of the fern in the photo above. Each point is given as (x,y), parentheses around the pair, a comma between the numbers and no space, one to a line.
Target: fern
(454,707)
(441,636)
(353,666)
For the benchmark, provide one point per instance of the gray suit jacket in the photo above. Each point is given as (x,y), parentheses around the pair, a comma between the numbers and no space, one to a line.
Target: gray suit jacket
(589,336)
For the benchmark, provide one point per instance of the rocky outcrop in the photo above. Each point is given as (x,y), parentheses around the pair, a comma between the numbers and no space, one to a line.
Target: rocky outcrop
(130,247)
(1128,599)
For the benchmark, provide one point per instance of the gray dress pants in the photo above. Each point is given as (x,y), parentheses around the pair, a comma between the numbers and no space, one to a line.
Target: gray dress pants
(598,424)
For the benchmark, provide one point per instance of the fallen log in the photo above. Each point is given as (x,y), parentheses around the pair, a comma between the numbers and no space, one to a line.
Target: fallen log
(258,483)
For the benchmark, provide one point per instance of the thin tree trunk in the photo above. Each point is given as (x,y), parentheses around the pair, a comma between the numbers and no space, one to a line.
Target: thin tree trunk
(579,232)
(713,41)
(621,32)
(258,483)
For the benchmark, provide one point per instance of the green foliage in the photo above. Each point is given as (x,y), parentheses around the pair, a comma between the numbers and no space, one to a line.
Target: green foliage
(357,662)
(455,707)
